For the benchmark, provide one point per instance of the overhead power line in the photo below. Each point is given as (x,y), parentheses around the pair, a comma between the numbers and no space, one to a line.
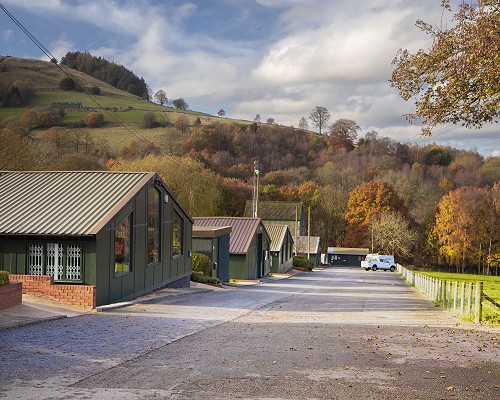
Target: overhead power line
(69,74)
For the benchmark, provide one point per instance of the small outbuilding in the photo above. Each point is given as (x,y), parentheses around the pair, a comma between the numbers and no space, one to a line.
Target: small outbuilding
(346,256)
(249,245)
(92,238)
(309,247)
(281,247)
(214,243)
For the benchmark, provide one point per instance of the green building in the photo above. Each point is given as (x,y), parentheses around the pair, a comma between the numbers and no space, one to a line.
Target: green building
(117,235)
(249,245)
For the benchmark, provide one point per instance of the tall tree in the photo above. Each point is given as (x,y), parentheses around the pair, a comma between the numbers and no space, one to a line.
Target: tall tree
(180,104)
(467,227)
(456,80)
(344,133)
(392,234)
(303,124)
(365,202)
(320,116)
(196,187)
(161,97)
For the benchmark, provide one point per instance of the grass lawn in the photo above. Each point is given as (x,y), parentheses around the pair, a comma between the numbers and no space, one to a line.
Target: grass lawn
(491,287)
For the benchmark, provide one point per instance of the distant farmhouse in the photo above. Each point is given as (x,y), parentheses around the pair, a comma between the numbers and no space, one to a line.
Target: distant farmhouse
(66,104)
(92,238)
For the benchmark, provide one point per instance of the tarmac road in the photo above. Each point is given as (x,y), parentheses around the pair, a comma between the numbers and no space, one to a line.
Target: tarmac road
(337,333)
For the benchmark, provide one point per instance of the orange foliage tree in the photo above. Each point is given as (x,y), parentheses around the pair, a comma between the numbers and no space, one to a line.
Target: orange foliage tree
(467,227)
(365,202)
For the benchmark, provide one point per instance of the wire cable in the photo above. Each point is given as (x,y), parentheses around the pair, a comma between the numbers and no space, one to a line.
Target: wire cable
(68,73)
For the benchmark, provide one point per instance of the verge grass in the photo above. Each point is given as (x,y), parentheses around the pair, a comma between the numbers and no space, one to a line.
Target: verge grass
(491,287)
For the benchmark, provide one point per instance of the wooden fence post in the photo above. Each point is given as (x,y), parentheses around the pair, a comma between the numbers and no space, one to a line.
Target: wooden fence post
(478,306)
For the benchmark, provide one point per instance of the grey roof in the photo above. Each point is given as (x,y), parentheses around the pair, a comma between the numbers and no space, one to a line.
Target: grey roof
(244,229)
(302,247)
(353,251)
(276,210)
(277,234)
(64,203)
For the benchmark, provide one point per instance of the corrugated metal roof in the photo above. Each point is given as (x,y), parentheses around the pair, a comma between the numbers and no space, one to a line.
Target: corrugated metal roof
(277,235)
(353,251)
(302,247)
(64,203)
(243,231)
(276,210)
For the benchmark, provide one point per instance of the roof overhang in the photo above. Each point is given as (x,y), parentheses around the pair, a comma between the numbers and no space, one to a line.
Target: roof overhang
(201,232)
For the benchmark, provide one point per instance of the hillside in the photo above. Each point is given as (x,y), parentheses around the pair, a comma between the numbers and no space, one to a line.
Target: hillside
(45,78)
(209,163)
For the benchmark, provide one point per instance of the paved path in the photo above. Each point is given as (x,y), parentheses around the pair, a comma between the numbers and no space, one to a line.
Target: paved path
(338,333)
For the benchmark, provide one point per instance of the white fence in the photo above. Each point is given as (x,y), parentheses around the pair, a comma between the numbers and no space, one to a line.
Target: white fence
(462,298)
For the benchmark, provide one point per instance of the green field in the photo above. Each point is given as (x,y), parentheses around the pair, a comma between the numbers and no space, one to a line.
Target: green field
(491,287)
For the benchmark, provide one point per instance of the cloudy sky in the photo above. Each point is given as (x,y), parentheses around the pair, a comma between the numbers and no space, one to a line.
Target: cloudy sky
(275,58)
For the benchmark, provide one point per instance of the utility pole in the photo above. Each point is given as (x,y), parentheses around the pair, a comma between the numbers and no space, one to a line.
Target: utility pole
(255,192)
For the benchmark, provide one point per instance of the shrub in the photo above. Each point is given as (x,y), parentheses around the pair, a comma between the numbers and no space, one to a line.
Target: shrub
(4,277)
(67,84)
(197,276)
(148,121)
(94,120)
(202,263)
(303,262)
(95,90)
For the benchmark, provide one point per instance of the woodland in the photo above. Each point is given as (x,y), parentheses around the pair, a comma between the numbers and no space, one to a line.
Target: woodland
(434,207)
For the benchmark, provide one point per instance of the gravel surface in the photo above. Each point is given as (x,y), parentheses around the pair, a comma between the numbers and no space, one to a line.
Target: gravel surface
(338,333)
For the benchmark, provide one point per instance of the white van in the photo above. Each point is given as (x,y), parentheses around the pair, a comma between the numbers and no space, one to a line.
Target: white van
(378,261)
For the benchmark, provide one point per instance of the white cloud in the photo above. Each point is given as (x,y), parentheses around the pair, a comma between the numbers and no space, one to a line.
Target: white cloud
(60,47)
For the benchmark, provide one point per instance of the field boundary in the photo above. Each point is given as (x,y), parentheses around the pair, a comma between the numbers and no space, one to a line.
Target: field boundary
(466,299)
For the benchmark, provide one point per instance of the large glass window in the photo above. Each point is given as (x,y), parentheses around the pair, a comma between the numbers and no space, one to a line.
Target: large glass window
(123,240)
(153,225)
(177,234)
(63,261)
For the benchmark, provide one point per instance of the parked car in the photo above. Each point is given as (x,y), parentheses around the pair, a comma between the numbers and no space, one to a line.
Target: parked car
(379,261)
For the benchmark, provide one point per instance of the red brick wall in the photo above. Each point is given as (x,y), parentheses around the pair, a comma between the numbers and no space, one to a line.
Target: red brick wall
(43,285)
(11,295)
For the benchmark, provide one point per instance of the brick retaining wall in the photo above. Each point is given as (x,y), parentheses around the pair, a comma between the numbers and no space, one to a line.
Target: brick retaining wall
(11,295)
(43,285)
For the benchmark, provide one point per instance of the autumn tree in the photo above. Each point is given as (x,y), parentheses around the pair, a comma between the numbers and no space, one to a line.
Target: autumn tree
(161,97)
(467,227)
(456,80)
(195,186)
(15,151)
(365,202)
(320,116)
(392,234)
(182,123)
(94,120)
(343,133)
(328,214)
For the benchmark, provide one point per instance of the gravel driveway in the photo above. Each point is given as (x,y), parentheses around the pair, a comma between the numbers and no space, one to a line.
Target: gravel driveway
(337,333)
